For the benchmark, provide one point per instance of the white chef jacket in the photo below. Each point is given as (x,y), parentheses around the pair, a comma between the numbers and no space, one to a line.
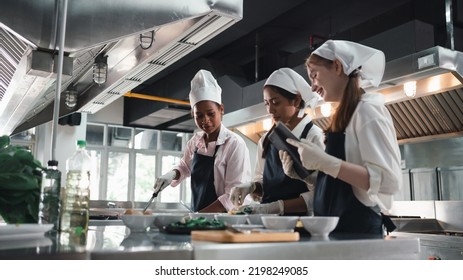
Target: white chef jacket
(232,165)
(371,141)
(315,135)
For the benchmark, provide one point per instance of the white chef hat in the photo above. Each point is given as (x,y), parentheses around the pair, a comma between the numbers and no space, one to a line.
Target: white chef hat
(352,56)
(290,80)
(204,87)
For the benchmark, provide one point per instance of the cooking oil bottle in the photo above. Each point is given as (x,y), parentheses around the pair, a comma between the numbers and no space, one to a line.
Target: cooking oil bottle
(50,204)
(76,194)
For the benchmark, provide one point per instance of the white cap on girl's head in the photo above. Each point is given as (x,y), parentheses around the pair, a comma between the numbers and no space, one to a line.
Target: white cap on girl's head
(204,87)
(290,80)
(352,56)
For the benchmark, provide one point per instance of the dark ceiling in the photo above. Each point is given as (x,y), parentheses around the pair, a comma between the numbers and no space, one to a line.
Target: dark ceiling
(274,34)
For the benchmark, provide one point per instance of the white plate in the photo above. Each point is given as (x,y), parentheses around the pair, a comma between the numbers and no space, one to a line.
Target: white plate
(23,231)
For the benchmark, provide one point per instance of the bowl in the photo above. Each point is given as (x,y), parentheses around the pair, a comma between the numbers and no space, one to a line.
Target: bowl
(209,216)
(138,223)
(280,222)
(319,225)
(163,219)
(256,219)
(230,219)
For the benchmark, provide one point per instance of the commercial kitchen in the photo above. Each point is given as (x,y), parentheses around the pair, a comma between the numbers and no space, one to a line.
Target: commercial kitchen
(137,111)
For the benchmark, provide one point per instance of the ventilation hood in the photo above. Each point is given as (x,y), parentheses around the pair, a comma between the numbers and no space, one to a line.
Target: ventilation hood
(436,110)
(114,28)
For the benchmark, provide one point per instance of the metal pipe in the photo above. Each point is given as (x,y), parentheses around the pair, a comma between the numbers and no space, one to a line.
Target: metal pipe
(256,63)
(62,31)
(449,24)
(156,98)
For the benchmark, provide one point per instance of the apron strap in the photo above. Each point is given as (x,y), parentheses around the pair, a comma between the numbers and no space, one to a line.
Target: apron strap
(387,221)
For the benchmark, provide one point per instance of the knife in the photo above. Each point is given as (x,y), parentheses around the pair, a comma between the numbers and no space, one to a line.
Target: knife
(155,194)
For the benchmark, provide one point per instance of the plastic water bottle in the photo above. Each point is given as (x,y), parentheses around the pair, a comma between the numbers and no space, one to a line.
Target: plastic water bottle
(50,204)
(76,196)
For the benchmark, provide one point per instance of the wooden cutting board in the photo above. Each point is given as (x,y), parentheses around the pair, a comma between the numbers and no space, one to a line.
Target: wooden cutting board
(226,236)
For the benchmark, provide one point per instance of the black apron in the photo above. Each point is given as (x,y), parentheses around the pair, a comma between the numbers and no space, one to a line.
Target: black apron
(334,197)
(202,180)
(276,184)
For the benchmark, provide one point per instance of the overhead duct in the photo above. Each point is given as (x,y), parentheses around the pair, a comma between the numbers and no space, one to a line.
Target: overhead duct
(113,28)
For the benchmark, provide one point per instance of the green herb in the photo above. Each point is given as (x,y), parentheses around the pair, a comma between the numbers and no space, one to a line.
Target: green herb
(20,181)
(198,223)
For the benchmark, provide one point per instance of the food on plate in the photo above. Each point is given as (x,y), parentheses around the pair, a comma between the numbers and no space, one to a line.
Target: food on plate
(137,212)
(198,223)
(244,211)
(148,212)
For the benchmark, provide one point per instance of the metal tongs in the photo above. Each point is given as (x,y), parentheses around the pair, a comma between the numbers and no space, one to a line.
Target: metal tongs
(155,194)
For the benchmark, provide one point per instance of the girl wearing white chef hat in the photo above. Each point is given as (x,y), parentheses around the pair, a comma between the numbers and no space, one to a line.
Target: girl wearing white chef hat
(215,158)
(286,95)
(360,168)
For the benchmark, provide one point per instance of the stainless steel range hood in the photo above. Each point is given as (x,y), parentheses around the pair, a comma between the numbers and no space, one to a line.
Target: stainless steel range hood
(436,110)
(114,28)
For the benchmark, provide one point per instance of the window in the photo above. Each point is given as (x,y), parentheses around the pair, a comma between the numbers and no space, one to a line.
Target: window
(95,134)
(118,175)
(146,139)
(145,171)
(25,139)
(129,160)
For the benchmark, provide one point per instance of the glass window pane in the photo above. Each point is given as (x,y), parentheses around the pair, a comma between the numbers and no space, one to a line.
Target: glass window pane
(170,194)
(28,135)
(95,175)
(119,137)
(95,135)
(144,176)
(171,141)
(118,176)
(146,139)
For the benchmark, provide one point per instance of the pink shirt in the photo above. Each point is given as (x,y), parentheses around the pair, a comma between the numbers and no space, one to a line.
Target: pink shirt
(232,165)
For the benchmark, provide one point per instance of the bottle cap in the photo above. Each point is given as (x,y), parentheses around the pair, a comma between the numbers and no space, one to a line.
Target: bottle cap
(52,162)
(81,143)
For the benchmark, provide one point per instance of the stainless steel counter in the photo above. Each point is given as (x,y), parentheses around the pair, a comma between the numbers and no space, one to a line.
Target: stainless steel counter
(116,242)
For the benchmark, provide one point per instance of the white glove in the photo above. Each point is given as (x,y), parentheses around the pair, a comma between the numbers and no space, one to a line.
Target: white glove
(314,158)
(287,163)
(163,181)
(276,207)
(239,192)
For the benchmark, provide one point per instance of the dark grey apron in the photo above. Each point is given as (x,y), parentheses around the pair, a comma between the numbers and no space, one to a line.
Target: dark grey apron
(276,184)
(202,180)
(334,197)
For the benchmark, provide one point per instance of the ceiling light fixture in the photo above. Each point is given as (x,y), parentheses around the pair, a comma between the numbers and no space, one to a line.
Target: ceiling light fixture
(410,88)
(100,69)
(267,124)
(71,97)
(325,108)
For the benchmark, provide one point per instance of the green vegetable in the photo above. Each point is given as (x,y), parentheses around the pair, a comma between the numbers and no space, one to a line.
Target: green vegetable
(20,181)
(198,223)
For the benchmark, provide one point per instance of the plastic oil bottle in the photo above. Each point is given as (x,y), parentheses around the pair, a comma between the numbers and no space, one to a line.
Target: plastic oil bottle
(76,196)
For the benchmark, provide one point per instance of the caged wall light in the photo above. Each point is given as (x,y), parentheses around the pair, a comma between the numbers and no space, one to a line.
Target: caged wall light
(71,97)
(100,69)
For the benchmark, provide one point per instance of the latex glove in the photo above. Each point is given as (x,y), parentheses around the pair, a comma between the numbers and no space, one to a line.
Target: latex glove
(287,163)
(239,192)
(314,158)
(163,181)
(276,207)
